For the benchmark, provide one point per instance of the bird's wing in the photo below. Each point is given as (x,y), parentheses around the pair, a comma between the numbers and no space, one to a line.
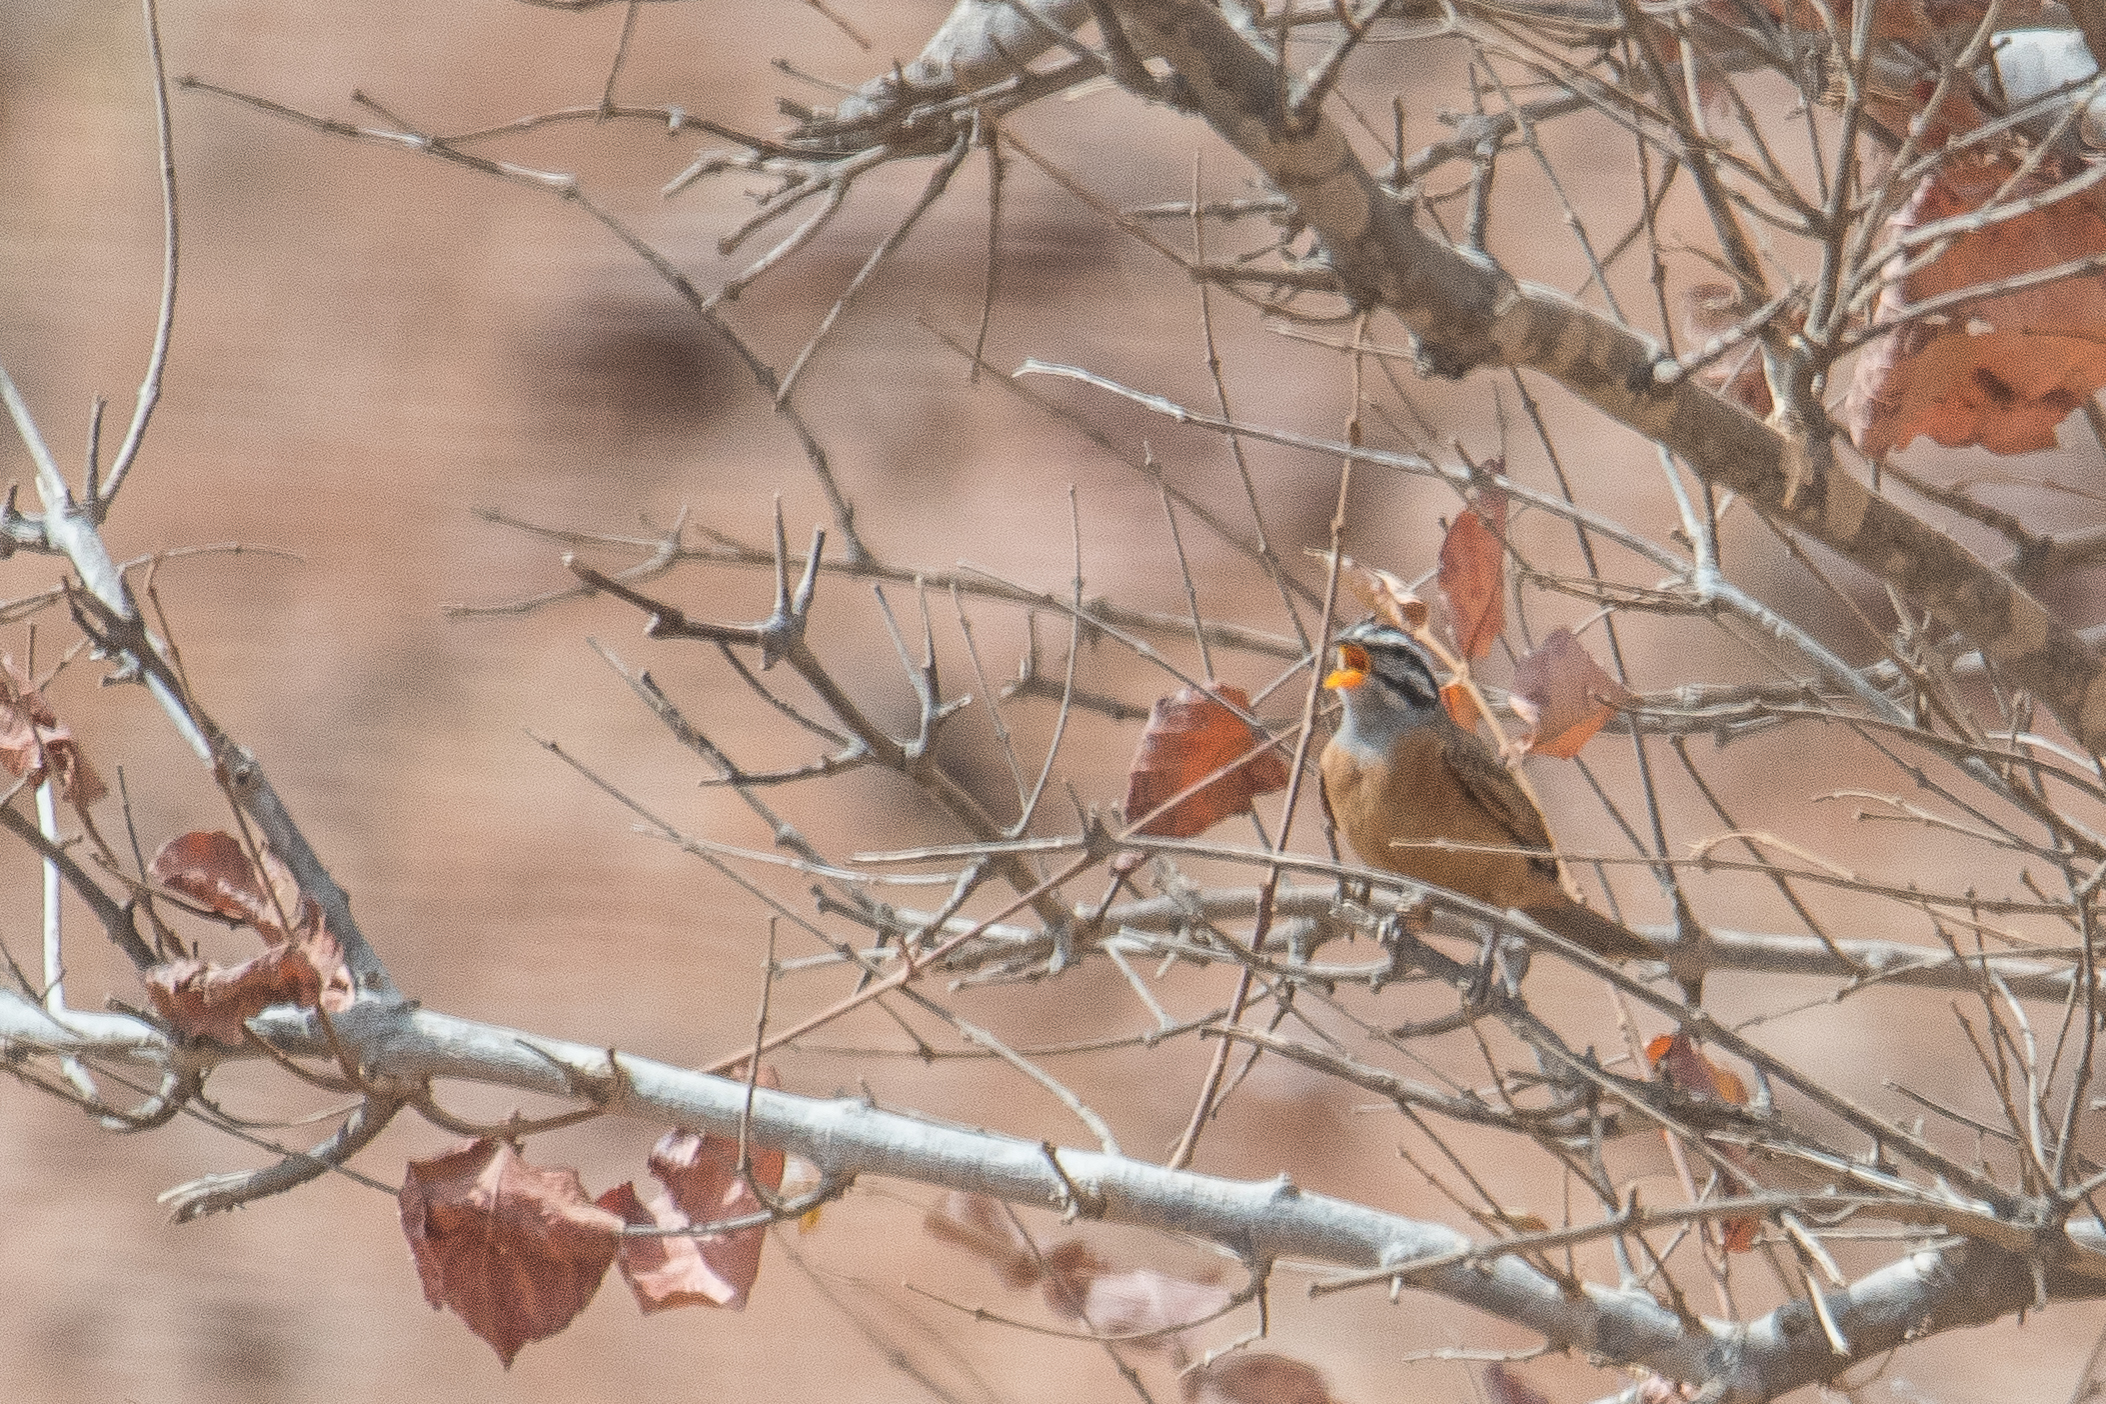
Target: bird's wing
(1488,783)
(1323,793)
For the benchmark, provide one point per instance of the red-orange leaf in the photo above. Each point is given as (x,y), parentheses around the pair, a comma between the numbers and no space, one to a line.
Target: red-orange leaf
(1461,704)
(207,1001)
(516,1251)
(1685,1067)
(213,870)
(1564,696)
(1191,736)
(35,744)
(701,1172)
(2000,371)
(672,1271)
(1473,572)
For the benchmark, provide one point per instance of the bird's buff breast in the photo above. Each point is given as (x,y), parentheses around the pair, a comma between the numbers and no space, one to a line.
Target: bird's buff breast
(1389,807)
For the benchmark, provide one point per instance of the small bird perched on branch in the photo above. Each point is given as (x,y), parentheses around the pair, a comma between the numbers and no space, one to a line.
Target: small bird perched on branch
(1400,777)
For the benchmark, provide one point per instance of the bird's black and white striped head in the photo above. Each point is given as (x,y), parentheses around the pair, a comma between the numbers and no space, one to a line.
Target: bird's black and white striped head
(1372,654)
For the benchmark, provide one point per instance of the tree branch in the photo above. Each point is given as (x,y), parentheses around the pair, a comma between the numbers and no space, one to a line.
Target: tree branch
(1467,313)
(1927,1291)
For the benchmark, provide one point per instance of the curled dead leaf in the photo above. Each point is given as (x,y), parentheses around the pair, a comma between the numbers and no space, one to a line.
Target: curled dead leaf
(1190,736)
(981,1226)
(213,870)
(1256,1377)
(203,1000)
(516,1251)
(1071,1269)
(35,744)
(669,1271)
(701,1173)
(2001,371)
(1563,695)
(1685,1067)
(304,966)
(1473,572)
(1386,596)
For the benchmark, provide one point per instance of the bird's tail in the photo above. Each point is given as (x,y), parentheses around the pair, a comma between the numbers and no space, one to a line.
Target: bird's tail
(1584,926)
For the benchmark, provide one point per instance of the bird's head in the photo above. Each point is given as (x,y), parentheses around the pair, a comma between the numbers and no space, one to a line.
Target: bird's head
(1381,664)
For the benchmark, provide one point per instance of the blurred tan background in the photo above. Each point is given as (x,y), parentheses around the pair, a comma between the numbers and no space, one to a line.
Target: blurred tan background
(370,346)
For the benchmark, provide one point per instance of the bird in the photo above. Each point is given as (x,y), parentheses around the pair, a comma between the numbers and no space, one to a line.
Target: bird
(1400,774)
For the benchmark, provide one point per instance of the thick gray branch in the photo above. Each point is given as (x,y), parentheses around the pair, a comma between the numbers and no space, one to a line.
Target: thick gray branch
(399,1046)
(979,42)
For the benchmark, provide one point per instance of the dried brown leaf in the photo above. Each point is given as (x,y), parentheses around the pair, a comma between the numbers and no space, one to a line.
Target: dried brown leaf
(516,1251)
(671,1271)
(213,870)
(1386,596)
(1071,1267)
(203,1000)
(1563,695)
(1256,1377)
(701,1172)
(1473,572)
(1191,735)
(304,965)
(2002,371)
(35,744)
(1685,1067)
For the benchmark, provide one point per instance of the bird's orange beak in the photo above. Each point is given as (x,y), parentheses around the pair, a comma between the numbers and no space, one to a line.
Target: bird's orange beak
(1351,670)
